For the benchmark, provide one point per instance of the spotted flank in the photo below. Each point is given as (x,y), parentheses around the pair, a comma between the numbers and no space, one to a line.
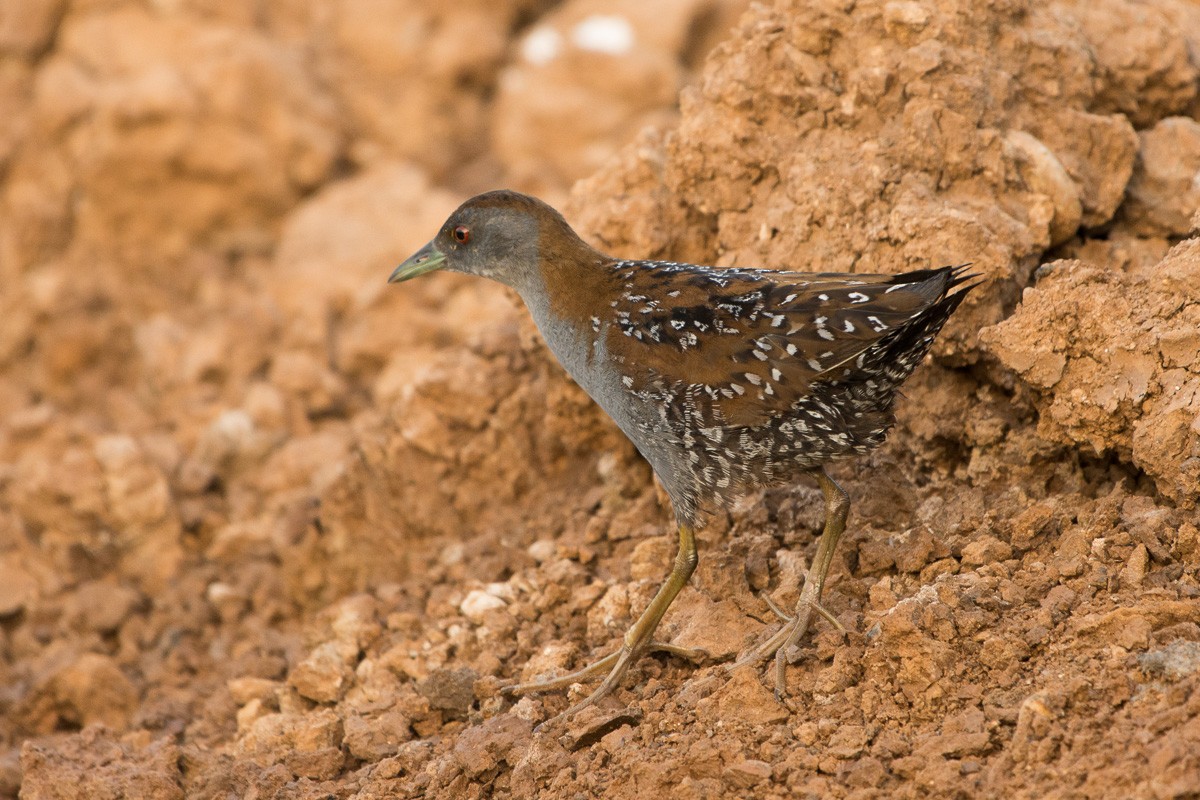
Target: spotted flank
(756,375)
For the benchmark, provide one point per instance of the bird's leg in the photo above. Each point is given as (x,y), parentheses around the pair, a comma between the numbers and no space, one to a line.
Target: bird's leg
(639,637)
(837,507)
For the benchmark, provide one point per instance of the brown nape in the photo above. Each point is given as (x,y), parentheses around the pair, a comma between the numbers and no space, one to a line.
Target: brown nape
(579,279)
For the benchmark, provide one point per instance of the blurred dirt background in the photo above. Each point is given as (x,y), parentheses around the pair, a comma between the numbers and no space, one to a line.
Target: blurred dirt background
(270,528)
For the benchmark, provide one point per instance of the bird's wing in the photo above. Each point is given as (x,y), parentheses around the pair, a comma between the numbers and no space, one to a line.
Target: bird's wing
(745,345)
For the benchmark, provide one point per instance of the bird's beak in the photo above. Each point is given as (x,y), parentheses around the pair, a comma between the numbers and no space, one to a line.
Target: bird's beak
(427,259)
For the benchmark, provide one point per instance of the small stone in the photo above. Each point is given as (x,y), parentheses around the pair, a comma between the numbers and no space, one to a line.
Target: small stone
(528,709)
(747,773)
(593,724)
(1162,193)
(504,591)
(1135,634)
(245,689)
(94,689)
(378,737)
(743,698)
(904,13)
(481,748)
(919,548)
(847,742)
(866,773)
(542,550)
(651,559)
(716,628)
(1045,175)
(250,713)
(953,745)
(450,690)
(619,740)
(1033,523)
(1058,602)
(986,550)
(1135,568)
(806,733)
(477,604)
(319,765)
(324,675)
(100,606)
(881,595)
(356,621)
(289,701)
(228,600)
(303,733)
(308,744)
(610,612)
(230,434)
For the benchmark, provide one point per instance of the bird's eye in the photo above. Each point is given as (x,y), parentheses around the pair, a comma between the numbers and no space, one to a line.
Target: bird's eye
(462,234)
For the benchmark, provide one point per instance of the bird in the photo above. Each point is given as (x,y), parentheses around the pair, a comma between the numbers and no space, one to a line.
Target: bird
(726,380)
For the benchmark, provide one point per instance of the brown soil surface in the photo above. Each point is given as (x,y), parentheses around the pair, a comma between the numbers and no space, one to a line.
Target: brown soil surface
(270,528)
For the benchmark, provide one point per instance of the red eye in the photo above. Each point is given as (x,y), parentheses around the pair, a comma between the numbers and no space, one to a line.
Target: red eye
(462,234)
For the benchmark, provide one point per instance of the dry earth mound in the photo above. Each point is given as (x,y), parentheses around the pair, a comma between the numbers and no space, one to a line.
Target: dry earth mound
(269,528)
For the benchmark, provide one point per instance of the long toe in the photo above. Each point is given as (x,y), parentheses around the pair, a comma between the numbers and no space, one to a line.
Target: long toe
(692,654)
(626,657)
(695,655)
(563,681)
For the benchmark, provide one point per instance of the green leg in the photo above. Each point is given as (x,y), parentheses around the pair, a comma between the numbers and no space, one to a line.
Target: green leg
(638,639)
(837,507)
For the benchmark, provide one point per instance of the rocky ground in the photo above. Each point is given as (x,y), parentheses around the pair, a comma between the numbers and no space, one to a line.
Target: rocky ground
(271,528)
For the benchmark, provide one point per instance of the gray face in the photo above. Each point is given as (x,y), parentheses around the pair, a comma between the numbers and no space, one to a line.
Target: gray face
(490,241)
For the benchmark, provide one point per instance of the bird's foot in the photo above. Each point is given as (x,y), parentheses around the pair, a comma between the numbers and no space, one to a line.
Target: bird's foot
(617,663)
(782,644)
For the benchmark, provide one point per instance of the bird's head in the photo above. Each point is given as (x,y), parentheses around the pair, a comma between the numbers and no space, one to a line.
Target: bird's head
(501,235)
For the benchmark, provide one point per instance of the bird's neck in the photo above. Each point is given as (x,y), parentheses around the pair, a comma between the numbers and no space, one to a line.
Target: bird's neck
(574,296)
(573,285)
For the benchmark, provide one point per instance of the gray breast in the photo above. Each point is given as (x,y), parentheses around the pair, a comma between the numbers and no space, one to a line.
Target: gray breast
(584,357)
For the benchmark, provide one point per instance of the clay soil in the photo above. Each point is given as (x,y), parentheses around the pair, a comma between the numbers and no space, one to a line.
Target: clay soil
(270,528)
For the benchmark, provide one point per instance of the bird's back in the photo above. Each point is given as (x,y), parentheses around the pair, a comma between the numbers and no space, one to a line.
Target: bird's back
(744,378)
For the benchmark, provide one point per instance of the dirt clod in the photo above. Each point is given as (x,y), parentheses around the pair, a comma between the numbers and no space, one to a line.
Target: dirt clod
(452,691)
(593,724)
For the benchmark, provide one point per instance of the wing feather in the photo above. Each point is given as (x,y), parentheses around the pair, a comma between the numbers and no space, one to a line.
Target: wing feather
(746,345)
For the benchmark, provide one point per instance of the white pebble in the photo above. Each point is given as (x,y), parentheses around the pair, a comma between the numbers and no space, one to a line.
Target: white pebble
(541,46)
(542,550)
(477,603)
(604,34)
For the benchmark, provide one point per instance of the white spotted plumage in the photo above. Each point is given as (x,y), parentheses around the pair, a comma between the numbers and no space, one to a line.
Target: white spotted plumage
(804,367)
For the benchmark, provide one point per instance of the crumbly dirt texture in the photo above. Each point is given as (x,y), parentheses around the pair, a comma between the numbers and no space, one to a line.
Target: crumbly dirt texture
(271,528)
